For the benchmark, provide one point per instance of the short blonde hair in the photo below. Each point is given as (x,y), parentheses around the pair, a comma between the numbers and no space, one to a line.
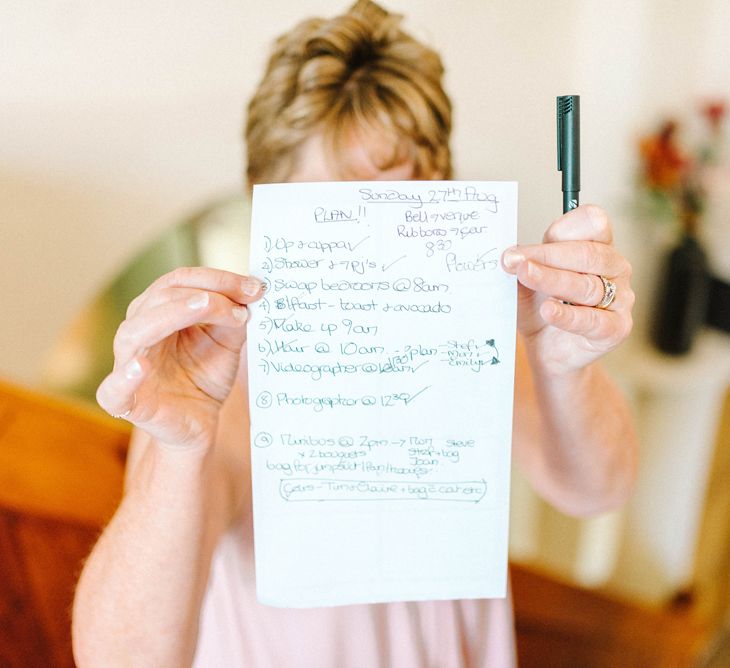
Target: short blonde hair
(358,72)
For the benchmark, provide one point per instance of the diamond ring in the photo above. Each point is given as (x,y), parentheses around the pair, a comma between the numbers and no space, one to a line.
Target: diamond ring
(609,293)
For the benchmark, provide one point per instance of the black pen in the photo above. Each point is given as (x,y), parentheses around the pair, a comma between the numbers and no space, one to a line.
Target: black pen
(569,148)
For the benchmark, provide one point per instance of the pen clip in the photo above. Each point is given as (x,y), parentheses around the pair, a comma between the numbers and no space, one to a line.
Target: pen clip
(560,134)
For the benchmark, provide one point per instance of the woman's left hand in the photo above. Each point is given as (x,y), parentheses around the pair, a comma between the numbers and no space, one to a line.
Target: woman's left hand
(576,250)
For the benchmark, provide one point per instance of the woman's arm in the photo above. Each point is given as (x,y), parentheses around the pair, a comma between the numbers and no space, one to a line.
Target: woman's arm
(177,355)
(573,431)
(138,598)
(574,438)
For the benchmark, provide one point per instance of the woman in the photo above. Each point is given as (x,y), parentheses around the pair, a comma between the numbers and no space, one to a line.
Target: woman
(170,581)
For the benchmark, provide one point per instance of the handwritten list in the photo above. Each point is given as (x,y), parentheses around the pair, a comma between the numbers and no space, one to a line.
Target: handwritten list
(381,367)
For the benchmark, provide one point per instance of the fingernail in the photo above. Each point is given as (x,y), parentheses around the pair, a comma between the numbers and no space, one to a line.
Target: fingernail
(133,369)
(240,314)
(199,301)
(512,258)
(250,287)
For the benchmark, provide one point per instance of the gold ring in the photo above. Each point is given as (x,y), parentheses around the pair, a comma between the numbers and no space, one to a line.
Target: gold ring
(609,293)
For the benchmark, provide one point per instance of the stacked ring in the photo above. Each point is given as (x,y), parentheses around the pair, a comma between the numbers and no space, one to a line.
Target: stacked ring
(609,293)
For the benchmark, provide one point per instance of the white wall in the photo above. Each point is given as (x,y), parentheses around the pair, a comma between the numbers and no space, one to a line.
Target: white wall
(118,118)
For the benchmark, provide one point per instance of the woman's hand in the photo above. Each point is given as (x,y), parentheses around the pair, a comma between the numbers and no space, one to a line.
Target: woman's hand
(177,353)
(576,250)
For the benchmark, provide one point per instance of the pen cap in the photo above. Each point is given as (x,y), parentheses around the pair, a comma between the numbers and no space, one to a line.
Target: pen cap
(569,141)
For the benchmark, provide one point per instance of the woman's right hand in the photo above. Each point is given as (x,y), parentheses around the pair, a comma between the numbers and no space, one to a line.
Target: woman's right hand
(177,353)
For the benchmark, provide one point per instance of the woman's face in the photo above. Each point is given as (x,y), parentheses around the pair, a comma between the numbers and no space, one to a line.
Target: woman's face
(313,164)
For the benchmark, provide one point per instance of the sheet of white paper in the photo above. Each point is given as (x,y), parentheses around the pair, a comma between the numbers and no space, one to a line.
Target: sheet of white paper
(381,367)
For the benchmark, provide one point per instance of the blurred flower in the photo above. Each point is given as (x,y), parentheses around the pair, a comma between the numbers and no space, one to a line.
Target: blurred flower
(672,175)
(664,162)
(715,113)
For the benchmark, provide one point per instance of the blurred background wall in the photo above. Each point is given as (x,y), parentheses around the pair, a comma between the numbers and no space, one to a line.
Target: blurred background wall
(119,118)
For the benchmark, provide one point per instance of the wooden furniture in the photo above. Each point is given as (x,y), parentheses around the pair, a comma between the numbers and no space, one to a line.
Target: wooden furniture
(560,625)
(61,469)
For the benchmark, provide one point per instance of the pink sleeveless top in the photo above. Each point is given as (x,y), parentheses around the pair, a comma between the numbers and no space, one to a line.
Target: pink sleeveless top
(237,631)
